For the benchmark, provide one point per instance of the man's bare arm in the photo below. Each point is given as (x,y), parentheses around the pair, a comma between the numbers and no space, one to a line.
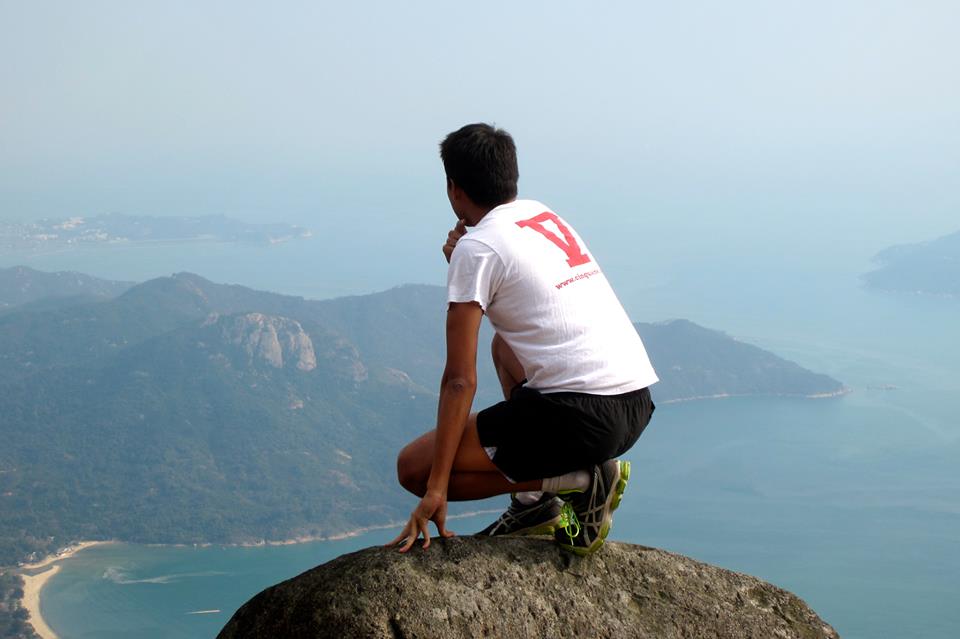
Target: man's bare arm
(457,388)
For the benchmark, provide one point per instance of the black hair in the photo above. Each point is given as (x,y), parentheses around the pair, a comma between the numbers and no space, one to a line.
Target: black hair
(482,160)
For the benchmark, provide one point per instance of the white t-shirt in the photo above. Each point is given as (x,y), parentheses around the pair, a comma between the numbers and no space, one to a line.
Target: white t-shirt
(547,298)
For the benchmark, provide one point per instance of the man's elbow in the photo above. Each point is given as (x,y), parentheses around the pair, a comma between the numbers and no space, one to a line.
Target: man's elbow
(460,384)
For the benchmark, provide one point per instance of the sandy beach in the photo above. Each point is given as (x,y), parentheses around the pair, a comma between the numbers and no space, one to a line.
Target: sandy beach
(36,575)
(32,585)
(65,553)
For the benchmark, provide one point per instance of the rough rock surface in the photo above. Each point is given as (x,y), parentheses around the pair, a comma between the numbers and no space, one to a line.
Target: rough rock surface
(514,587)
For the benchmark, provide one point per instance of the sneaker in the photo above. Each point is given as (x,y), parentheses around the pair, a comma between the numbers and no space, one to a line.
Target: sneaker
(587,516)
(538,518)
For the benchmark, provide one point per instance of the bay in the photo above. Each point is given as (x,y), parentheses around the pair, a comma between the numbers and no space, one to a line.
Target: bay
(154,592)
(783,489)
(850,502)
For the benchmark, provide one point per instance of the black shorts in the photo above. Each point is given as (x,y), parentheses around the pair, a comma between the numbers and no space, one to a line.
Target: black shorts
(539,435)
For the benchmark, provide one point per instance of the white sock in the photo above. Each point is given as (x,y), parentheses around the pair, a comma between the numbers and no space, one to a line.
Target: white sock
(577,480)
(529,497)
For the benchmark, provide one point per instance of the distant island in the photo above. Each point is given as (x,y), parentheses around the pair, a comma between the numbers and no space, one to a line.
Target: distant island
(103,230)
(931,268)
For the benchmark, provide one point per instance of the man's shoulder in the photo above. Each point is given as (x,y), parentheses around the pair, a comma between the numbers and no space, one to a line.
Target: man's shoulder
(519,208)
(502,221)
(475,243)
(475,248)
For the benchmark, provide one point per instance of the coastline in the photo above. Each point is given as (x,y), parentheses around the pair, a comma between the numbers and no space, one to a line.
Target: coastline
(827,394)
(36,575)
(63,553)
(355,532)
(34,581)
(32,586)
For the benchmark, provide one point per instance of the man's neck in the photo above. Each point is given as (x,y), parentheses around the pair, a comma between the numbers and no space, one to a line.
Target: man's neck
(473,217)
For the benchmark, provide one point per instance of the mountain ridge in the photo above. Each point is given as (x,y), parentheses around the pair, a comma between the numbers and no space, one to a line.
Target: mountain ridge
(22,285)
(214,413)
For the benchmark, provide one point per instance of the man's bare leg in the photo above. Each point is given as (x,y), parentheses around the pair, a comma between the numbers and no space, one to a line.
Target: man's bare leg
(473,475)
(511,373)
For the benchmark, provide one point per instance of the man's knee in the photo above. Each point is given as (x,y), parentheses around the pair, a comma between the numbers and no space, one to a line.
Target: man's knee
(410,473)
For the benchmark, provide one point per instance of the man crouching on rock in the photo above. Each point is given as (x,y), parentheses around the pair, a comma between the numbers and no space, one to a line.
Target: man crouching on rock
(574,371)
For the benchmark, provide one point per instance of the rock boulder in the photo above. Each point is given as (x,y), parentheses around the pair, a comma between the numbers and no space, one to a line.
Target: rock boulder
(515,588)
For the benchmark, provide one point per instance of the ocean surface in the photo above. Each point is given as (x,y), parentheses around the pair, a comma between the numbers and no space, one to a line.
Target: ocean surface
(853,503)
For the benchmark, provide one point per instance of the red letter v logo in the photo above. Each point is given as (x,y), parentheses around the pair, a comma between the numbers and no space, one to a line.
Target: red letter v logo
(575,255)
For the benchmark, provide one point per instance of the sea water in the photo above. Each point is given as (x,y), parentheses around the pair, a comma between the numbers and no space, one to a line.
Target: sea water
(850,502)
(125,590)
(816,497)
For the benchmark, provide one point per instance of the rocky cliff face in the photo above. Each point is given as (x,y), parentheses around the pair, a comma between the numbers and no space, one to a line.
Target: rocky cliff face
(277,341)
(513,587)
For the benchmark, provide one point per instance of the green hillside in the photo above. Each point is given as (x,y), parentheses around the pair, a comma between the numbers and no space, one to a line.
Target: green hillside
(186,411)
(21,285)
(696,362)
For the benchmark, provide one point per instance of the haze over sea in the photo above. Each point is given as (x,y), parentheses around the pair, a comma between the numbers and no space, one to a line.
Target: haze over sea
(736,164)
(849,502)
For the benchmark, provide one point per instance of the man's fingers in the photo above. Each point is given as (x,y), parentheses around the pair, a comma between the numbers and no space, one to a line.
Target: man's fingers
(406,545)
(425,529)
(402,536)
(452,237)
(411,537)
(430,509)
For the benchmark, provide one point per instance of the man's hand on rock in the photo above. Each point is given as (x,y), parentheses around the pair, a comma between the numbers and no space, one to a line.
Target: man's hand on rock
(453,237)
(433,507)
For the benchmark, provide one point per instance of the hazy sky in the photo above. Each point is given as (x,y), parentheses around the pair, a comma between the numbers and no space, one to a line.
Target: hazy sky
(691,127)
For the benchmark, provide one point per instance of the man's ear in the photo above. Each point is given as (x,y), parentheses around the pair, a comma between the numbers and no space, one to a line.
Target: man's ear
(454,191)
(458,196)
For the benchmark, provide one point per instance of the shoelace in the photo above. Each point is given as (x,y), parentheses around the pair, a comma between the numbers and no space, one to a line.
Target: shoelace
(569,522)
